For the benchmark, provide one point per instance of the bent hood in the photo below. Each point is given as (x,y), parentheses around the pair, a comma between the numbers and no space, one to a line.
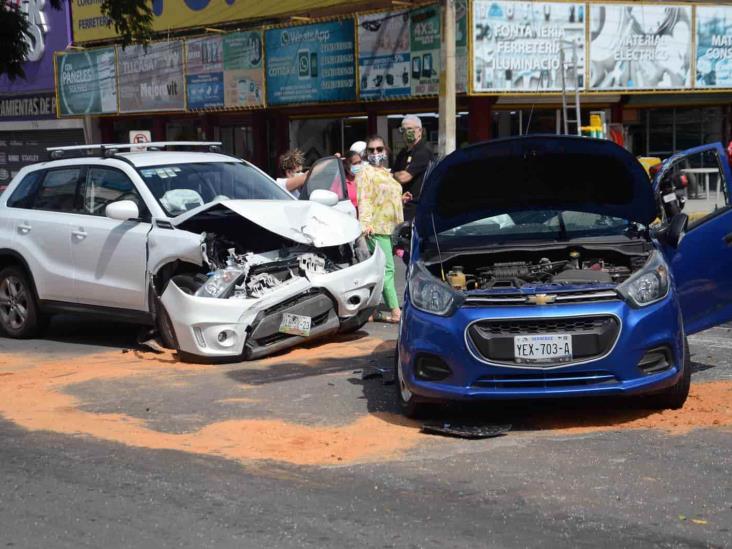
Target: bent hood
(301,221)
(535,173)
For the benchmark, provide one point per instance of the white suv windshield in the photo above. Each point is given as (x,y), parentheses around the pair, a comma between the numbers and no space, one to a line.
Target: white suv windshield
(182,187)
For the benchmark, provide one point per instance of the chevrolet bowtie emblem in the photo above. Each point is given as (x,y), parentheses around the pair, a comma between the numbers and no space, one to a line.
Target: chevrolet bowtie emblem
(542,299)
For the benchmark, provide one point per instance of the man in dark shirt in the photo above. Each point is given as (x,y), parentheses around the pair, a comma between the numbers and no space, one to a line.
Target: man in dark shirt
(411,163)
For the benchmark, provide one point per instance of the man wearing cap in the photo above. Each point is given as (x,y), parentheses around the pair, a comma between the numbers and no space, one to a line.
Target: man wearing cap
(412,162)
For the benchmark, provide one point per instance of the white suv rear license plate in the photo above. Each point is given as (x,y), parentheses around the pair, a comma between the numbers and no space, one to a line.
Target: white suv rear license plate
(295,324)
(542,348)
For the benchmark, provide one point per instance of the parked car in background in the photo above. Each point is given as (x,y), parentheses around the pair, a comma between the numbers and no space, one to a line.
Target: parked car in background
(533,272)
(202,245)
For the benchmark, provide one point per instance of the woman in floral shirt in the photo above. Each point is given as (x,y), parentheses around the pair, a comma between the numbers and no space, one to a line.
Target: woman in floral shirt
(380,211)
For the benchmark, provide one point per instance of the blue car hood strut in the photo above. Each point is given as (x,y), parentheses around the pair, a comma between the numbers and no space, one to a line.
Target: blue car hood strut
(542,172)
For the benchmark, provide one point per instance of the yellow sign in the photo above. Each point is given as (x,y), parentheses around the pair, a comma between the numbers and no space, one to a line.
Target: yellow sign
(90,25)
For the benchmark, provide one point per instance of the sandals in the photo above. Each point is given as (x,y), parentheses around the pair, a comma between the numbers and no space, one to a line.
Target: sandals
(382,316)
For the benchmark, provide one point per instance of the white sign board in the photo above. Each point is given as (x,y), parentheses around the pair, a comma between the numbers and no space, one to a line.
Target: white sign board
(139,136)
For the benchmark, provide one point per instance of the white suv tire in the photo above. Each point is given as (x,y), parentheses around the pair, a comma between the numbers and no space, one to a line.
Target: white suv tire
(20,316)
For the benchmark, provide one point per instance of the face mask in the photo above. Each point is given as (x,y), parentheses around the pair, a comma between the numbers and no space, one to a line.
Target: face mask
(355,168)
(410,136)
(377,159)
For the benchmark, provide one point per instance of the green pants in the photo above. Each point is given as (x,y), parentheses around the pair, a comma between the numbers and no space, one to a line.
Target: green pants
(384,242)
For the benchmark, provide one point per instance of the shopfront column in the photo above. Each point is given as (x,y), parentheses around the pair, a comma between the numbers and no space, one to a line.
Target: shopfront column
(480,118)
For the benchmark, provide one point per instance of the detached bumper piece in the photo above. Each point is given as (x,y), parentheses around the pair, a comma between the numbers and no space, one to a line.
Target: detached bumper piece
(265,336)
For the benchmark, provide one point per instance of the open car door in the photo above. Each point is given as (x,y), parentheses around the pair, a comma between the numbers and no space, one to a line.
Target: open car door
(328,174)
(702,263)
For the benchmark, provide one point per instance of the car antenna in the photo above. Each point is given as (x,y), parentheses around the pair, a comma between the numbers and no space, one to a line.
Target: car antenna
(437,242)
(531,112)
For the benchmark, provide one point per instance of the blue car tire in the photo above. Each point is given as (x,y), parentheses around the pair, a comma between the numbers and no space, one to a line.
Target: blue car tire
(674,397)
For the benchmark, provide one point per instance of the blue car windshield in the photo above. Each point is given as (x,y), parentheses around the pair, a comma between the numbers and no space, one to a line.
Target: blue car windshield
(542,225)
(182,187)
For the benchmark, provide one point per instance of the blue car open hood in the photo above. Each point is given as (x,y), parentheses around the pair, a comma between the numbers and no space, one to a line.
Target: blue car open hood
(540,172)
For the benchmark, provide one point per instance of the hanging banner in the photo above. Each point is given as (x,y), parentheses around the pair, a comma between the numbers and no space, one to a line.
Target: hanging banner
(714,46)
(243,74)
(205,73)
(151,80)
(87,82)
(634,47)
(311,63)
(425,48)
(399,52)
(516,45)
(384,55)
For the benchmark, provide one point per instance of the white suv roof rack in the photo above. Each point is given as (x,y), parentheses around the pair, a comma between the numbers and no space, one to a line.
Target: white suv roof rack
(109,149)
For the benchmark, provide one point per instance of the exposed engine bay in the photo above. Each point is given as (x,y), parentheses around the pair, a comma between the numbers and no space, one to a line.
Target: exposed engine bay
(515,269)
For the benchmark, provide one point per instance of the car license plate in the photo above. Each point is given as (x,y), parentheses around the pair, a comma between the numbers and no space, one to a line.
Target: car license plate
(295,324)
(542,348)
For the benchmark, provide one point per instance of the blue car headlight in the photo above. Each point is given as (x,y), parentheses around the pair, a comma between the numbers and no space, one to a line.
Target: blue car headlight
(431,295)
(649,284)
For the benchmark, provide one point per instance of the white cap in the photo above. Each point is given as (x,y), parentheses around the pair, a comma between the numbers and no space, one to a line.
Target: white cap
(359,147)
(412,118)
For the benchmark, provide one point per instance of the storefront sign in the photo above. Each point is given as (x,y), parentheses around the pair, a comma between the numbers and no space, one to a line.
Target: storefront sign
(640,47)
(90,24)
(205,77)
(87,82)
(243,70)
(151,80)
(311,63)
(516,45)
(714,46)
(399,52)
(28,107)
(49,31)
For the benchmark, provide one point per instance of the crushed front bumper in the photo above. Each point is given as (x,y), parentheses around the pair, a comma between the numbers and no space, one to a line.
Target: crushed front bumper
(218,328)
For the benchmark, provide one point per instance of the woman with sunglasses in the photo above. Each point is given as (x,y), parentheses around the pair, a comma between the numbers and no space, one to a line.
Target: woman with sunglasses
(380,211)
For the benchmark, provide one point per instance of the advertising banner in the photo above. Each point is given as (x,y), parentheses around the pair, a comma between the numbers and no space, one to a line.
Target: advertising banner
(90,24)
(311,63)
(87,82)
(151,80)
(425,46)
(634,47)
(516,45)
(714,46)
(243,70)
(399,52)
(49,31)
(384,55)
(205,76)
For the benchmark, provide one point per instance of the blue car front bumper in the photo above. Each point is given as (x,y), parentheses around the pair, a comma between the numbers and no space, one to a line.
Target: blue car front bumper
(475,376)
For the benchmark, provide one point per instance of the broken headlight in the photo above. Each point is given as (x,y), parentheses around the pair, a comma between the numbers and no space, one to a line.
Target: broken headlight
(220,282)
(648,285)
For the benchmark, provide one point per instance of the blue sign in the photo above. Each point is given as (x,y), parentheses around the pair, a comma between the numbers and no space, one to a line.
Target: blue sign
(311,63)
(206,91)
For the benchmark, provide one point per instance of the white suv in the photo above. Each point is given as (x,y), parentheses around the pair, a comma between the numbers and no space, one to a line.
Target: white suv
(202,245)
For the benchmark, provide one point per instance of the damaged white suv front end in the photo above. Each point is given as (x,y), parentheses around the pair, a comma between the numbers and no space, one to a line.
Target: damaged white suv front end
(277,274)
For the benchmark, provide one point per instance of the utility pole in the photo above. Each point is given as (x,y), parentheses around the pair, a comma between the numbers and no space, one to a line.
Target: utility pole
(446,143)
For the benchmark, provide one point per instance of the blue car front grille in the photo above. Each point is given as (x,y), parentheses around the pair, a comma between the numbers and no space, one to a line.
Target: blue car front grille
(546,380)
(592,336)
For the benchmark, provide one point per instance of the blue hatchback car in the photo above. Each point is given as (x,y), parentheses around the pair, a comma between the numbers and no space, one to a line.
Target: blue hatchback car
(536,270)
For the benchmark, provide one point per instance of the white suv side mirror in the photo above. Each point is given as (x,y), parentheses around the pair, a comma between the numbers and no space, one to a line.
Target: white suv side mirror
(122,210)
(326,198)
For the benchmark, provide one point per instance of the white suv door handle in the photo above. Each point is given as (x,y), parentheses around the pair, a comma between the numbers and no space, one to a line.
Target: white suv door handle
(24,228)
(80,234)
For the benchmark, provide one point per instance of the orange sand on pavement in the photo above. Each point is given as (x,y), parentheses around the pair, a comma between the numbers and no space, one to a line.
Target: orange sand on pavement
(32,396)
(34,399)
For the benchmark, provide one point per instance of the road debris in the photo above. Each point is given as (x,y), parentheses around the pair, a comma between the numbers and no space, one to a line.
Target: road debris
(462,430)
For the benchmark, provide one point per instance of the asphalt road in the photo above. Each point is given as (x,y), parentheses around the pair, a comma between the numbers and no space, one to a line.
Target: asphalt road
(103,445)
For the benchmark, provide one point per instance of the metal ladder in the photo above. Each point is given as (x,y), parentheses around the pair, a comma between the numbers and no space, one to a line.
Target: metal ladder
(570,69)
